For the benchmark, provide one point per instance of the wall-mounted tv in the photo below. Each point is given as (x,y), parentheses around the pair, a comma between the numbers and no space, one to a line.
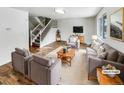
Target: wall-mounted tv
(77,29)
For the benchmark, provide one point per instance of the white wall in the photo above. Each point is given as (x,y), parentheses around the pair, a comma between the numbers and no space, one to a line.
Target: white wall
(66,27)
(112,42)
(50,37)
(13,32)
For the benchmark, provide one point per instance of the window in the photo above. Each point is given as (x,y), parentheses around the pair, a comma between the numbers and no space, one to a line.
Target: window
(103,26)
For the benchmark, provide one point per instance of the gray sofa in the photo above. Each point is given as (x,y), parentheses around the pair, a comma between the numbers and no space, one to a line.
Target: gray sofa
(113,57)
(44,71)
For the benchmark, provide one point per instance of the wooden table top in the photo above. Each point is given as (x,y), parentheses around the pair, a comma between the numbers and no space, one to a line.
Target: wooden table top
(70,52)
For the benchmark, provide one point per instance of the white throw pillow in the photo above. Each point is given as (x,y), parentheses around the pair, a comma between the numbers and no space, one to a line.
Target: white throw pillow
(96,45)
(100,50)
(93,44)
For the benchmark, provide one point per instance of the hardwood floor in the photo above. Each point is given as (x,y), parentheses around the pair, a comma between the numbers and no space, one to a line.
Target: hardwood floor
(9,77)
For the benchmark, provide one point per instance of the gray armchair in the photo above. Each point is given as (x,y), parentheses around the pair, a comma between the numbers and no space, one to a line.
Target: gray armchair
(45,71)
(20,59)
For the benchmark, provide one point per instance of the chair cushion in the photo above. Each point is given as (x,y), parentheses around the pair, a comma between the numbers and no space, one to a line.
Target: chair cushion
(112,55)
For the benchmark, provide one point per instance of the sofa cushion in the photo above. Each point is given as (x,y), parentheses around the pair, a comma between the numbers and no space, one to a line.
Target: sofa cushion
(91,51)
(120,58)
(112,54)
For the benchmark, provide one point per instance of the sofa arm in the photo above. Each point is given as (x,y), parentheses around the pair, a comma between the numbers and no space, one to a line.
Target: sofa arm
(94,62)
(116,64)
(54,73)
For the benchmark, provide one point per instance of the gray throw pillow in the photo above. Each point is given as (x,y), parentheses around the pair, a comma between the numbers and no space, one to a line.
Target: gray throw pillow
(121,58)
(112,55)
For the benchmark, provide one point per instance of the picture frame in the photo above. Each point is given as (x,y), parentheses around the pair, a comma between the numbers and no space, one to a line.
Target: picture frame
(117,25)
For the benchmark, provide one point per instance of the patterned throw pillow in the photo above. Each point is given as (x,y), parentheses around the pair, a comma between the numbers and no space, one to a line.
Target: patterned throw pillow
(93,44)
(100,50)
(109,67)
(96,46)
(102,55)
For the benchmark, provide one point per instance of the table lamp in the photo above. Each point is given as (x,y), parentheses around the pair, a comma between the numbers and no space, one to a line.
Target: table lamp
(94,37)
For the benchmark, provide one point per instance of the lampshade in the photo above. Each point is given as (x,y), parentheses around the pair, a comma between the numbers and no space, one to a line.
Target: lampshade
(94,37)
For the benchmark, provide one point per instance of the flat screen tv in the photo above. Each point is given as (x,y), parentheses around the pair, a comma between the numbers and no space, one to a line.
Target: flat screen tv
(77,29)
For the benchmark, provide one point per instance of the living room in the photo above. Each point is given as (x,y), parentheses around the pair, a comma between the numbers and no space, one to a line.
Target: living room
(66,53)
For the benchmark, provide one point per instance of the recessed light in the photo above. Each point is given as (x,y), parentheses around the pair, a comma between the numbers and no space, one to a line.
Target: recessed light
(59,10)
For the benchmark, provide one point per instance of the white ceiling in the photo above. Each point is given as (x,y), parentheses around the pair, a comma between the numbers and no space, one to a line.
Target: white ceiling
(70,12)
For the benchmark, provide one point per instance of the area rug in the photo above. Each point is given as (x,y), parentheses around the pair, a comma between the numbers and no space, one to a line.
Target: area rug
(77,73)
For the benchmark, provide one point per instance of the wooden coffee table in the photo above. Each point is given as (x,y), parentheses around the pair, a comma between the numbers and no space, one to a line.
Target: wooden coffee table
(66,57)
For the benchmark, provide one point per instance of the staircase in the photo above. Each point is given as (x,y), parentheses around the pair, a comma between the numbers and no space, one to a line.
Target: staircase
(39,27)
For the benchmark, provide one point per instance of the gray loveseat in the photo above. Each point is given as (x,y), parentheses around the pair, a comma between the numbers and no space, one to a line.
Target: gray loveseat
(113,57)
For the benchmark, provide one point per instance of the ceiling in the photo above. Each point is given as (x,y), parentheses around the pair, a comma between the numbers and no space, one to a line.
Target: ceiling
(70,12)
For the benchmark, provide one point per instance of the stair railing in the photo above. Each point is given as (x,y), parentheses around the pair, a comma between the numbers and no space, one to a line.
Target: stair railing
(41,31)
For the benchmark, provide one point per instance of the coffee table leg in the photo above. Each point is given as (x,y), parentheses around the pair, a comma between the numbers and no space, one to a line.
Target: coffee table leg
(69,60)
(70,63)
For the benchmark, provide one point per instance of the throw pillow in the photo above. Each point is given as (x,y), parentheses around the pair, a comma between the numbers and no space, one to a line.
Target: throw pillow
(100,50)
(121,58)
(96,46)
(92,45)
(102,55)
(112,55)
